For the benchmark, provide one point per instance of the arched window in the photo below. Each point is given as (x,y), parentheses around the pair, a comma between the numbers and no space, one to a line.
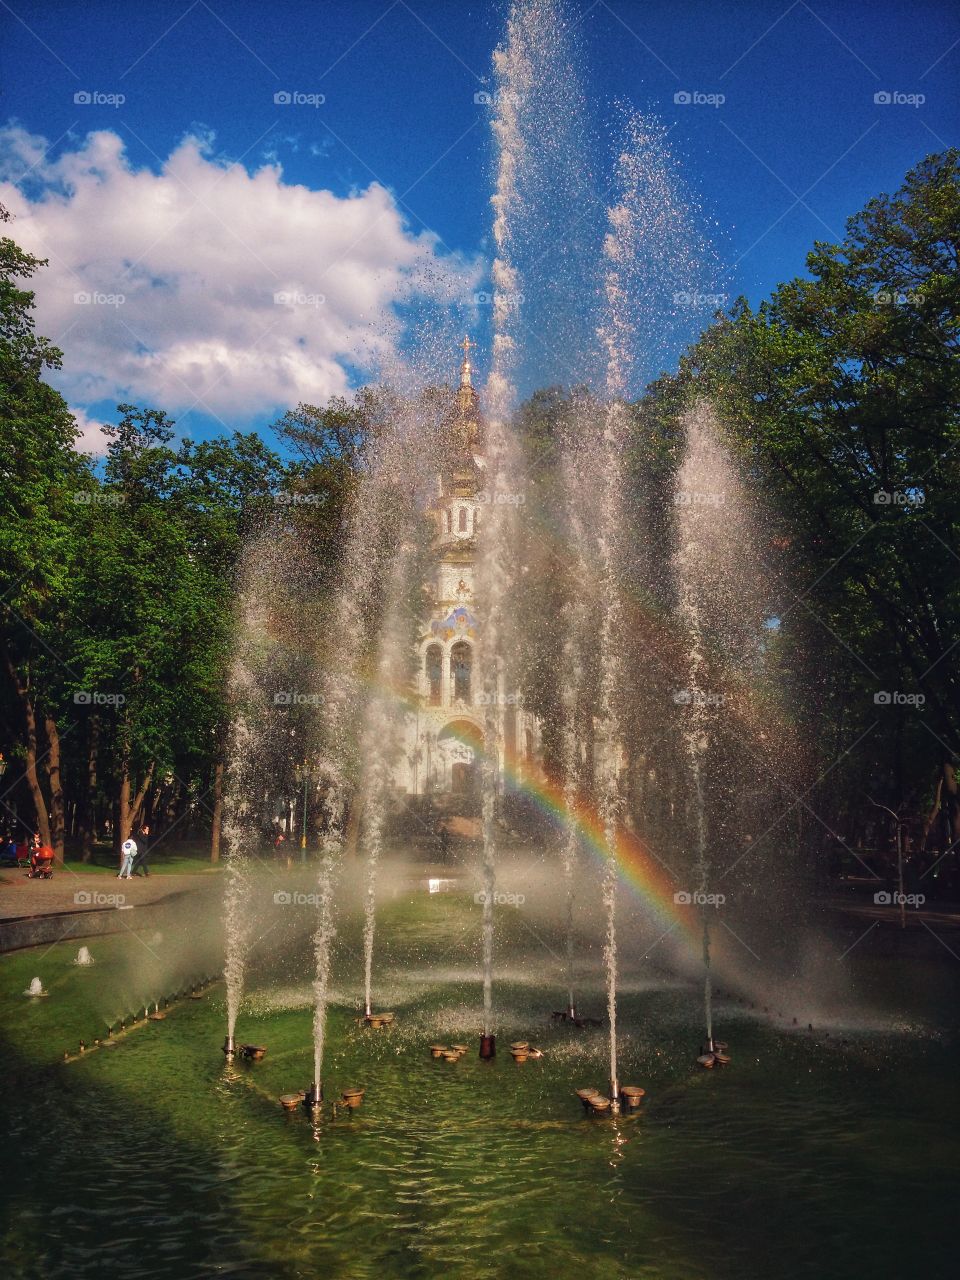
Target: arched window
(447,520)
(435,674)
(476,519)
(461,669)
(462,525)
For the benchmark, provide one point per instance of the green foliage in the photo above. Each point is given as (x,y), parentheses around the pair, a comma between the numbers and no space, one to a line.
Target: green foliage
(841,396)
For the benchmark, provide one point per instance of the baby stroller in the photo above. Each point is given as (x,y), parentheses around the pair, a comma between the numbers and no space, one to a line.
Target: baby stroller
(41,866)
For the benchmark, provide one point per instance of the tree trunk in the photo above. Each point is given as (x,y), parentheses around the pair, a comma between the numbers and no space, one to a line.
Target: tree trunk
(932,815)
(121,825)
(56,785)
(136,809)
(22,690)
(951,802)
(217,811)
(88,821)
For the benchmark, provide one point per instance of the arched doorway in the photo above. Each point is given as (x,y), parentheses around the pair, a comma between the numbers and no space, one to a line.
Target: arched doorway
(461,744)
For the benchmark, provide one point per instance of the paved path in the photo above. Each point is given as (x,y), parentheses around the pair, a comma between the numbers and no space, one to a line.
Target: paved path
(87,891)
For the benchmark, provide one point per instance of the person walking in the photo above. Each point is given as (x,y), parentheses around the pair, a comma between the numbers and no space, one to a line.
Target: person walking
(129,851)
(143,852)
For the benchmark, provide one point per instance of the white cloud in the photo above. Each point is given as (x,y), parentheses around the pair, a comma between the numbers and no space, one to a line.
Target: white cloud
(180,270)
(91,438)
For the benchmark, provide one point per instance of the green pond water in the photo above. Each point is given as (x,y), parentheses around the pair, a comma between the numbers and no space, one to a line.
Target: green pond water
(806,1157)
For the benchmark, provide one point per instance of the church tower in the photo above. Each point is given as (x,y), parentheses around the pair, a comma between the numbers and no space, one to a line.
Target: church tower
(445,732)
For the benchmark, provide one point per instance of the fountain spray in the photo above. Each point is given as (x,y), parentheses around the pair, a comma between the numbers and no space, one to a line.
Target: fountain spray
(576,623)
(700,492)
(244,761)
(380,747)
(512,72)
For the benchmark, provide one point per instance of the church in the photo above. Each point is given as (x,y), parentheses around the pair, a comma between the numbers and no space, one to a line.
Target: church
(444,728)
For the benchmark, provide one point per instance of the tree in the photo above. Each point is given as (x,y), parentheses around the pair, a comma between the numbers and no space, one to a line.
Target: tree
(841,395)
(41,478)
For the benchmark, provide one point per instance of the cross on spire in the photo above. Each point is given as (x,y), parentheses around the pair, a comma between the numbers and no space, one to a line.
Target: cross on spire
(465,366)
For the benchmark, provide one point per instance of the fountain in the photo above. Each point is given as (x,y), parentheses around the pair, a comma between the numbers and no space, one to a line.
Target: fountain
(35,988)
(361,654)
(84,958)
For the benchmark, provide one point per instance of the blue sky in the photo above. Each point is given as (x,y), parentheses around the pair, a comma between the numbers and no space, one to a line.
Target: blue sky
(797,146)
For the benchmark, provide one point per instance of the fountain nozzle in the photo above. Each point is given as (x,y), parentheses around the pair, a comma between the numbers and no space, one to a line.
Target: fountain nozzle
(615,1096)
(488,1047)
(229,1048)
(313,1098)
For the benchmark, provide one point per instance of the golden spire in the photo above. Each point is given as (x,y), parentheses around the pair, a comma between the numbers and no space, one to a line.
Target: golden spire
(466,368)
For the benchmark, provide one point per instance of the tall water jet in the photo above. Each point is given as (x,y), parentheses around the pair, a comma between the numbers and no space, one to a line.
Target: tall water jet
(513,70)
(697,699)
(572,677)
(711,539)
(350,625)
(325,933)
(381,743)
(246,751)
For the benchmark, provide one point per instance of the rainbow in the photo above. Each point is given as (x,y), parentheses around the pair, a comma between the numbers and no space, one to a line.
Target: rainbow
(637,865)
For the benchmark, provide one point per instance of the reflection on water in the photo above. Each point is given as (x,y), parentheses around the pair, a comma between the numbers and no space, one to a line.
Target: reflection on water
(157,1159)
